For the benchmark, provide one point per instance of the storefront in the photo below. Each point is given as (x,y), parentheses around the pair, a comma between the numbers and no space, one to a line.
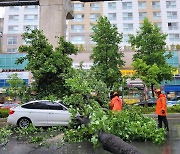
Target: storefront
(172,90)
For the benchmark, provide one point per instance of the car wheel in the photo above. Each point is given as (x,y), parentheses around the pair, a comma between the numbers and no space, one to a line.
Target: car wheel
(24,122)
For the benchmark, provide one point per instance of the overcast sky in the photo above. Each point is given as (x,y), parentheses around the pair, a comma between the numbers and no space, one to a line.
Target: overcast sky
(1,12)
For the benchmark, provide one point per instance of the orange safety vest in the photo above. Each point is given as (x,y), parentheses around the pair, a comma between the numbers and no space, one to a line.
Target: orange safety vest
(116,104)
(161,105)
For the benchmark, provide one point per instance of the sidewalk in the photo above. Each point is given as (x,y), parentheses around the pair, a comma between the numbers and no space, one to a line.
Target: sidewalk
(169,115)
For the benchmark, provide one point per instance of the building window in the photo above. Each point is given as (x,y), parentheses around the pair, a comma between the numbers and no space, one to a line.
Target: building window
(170,4)
(12,50)
(92,42)
(127,16)
(142,15)
(172,15)
(156,15)
(11,40)
(91,28)
(125,38)
(140,25)
(79,17)
(94,16)
(30,17)
(159,24)
(173,26)
(112,16)
(95,6)
(156,5)
(31,27)
(174,37)
(127,27)
(112,5)
(78,6)
(31,7)
(13,8)
(77,28)
(126,5)
(114,25)
(13,29)
(13,18)
(142,5)
(78,39)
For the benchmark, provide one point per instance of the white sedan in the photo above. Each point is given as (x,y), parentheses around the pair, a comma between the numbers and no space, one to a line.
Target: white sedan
(39,113)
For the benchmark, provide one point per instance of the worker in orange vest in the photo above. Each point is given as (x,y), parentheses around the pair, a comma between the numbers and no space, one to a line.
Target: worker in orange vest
(161,109)
(116,102)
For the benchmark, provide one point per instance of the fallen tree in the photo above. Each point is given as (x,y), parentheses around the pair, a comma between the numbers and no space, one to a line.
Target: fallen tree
(109,141)
(128,125)
(116,145)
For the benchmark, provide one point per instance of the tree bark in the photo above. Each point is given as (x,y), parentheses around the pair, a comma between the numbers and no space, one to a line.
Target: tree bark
(116,145)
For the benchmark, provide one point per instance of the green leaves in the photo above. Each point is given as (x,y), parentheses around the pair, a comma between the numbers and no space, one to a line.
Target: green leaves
(149,59)
(16,86)
(106,56)
(50,67)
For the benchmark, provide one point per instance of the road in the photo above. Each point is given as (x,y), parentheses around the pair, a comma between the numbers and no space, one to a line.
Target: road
(171,146)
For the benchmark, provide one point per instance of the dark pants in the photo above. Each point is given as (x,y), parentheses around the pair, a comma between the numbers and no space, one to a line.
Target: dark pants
(164,120)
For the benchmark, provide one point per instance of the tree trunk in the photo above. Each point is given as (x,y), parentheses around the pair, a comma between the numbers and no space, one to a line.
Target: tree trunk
(146,95)
(111,142)
(152,89)
(116,145)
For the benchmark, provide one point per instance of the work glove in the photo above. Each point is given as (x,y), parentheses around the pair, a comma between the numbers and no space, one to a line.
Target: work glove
(163,111)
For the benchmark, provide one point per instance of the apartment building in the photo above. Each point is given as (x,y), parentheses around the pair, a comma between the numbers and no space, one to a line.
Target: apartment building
(80,28)
(127,15)
(16,19)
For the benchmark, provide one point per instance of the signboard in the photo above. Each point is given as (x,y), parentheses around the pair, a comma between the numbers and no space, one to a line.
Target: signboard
(21,75)
(84,65)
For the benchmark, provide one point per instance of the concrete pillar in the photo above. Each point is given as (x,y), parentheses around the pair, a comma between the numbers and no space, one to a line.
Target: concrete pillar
(53,15)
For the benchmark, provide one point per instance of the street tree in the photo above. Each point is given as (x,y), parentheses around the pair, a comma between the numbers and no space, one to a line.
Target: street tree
(107,58)
(150,58)
(15,86)
(49,66)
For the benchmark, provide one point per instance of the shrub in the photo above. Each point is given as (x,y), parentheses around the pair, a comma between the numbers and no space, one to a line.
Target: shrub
(4,113)
(174,109)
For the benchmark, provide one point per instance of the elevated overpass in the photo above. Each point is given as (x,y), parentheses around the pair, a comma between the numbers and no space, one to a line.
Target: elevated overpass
(35,2)
(18,2)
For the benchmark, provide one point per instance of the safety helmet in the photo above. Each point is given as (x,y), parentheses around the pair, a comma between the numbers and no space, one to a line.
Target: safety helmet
(157,90)
(115,93)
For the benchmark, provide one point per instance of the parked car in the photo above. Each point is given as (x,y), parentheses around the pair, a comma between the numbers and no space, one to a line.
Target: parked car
(39,113)
(149,102)
(174,101)
(8,105)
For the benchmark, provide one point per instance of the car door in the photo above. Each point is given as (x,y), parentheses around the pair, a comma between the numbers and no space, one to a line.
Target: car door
(38,113)
(57,114)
